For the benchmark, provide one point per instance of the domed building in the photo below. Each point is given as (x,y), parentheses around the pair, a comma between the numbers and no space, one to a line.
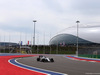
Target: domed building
(68,39)
(87,35)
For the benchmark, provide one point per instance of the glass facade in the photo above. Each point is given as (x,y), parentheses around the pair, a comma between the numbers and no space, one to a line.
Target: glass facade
(68,39)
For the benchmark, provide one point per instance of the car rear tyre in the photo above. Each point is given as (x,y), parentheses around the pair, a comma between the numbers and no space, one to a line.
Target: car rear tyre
(38,59)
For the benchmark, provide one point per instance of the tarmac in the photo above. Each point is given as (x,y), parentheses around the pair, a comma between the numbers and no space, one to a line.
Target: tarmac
(64,65)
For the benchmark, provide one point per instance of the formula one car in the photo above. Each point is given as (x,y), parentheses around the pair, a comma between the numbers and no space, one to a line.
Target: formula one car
(42,58)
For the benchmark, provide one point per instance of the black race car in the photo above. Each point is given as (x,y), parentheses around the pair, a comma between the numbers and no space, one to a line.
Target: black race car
(42,58)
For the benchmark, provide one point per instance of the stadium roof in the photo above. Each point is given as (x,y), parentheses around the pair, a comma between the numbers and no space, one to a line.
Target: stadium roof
(67,39)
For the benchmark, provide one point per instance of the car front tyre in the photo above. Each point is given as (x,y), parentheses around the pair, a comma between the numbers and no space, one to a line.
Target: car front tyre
(51,60)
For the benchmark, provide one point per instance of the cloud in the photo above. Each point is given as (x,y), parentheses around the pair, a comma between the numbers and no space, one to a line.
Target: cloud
(52,16)
(87,8)
(53,6)
(90,26)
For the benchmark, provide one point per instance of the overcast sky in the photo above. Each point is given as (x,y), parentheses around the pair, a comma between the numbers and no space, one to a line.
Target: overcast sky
(16,18)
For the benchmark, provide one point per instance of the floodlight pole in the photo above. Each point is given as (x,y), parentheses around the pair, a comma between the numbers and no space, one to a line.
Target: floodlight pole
(34,32)
(44,44)
(77,36)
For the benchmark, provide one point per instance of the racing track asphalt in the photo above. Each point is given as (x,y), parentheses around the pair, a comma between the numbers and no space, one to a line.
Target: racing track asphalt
(64,65)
